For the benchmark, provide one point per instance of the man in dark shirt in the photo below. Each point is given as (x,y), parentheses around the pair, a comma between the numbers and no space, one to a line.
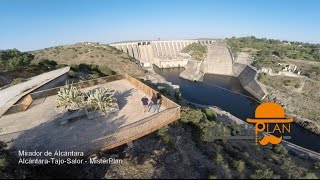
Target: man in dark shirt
(153,103)
(145,102)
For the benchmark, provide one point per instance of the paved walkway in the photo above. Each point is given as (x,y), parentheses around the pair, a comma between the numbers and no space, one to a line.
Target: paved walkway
(39,128)
(12,94)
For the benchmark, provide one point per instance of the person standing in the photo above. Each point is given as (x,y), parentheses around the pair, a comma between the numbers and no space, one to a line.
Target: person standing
(153,102)
(159,101)
(145,102)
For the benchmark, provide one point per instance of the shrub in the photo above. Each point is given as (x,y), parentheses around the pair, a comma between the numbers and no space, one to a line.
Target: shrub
(61,66)
(178,96)
(70,96)
(239,165)
(297,85)
(72,74)
(211,114)
(101,99)
(17,81)
(317,165)
(192,115)
(196,50)
(264,174)
(286,82)
(279,149)
(310,175)
(167,139)
(212,177)
(107,71)
(47,64)
(13,59)
(219,158)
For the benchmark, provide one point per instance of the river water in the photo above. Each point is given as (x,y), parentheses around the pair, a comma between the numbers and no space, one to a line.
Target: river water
(241,105)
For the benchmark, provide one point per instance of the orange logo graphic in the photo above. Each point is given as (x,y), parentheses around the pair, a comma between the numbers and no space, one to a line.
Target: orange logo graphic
(270,113)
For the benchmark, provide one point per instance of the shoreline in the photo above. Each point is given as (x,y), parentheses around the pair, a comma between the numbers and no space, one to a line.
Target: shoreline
(298,150)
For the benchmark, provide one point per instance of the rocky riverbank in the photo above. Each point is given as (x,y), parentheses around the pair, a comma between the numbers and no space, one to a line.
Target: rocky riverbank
(299,98)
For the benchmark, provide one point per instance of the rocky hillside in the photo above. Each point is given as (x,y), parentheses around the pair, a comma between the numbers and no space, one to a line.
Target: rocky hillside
(102,55)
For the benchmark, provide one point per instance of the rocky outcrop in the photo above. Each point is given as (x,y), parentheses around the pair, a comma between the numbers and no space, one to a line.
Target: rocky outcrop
(193,71)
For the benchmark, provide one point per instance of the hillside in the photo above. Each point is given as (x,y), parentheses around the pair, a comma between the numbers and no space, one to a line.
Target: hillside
(197,51)
(103,55)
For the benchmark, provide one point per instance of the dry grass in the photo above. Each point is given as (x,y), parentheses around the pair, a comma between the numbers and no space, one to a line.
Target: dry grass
(102,55)
(301,97)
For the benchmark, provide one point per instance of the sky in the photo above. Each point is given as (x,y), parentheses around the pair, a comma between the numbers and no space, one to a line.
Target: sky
(36,24)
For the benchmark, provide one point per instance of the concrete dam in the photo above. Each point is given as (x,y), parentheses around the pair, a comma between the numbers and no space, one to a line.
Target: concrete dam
(164,54)
(219,60)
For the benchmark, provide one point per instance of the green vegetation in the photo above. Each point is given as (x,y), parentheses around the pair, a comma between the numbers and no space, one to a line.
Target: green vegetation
(276,48)
(264,174)
(239,166)
(310,175)
(12,59)
(317,165)
(16,66)
(101,99)
(109,59)
(192,115)
(196,50)
(268,53)
(17,81)
(219,158)
(287,82)
(70,96)
(166,138)
(47,64)
(279,149)
(8,165)
(211,114)
(178,97)
(85,71)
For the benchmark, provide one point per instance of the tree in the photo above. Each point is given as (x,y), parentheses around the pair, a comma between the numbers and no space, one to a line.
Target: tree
(13,59)
(47,64)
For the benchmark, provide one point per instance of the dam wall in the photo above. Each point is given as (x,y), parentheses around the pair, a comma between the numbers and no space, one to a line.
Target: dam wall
(164,54)
(247,76)
(219,60)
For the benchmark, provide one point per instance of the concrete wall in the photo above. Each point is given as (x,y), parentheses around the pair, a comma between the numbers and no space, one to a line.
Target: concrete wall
(153,52)
(247,76)
(218,61)
(54,83)
(162,63)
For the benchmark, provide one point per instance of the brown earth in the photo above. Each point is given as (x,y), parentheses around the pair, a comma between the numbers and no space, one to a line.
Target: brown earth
(102,55)
(299,96)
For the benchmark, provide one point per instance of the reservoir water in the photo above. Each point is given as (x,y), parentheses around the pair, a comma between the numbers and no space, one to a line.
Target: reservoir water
(243,107)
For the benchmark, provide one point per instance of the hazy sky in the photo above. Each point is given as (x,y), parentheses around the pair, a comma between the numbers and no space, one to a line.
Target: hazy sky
(35,24)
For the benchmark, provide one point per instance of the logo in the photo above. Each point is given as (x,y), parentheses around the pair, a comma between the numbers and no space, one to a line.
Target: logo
(270,120)
(269,126)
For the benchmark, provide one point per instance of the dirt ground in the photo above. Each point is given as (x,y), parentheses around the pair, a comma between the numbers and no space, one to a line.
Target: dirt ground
(102,55)
(299,96)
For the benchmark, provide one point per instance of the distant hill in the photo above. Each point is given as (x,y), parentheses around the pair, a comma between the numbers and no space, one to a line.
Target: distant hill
(102,55)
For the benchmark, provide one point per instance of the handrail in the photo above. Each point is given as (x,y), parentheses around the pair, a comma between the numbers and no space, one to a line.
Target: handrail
(133,131)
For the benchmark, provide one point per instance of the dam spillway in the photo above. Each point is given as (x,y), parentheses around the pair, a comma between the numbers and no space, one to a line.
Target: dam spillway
(219,60)
(164,54)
